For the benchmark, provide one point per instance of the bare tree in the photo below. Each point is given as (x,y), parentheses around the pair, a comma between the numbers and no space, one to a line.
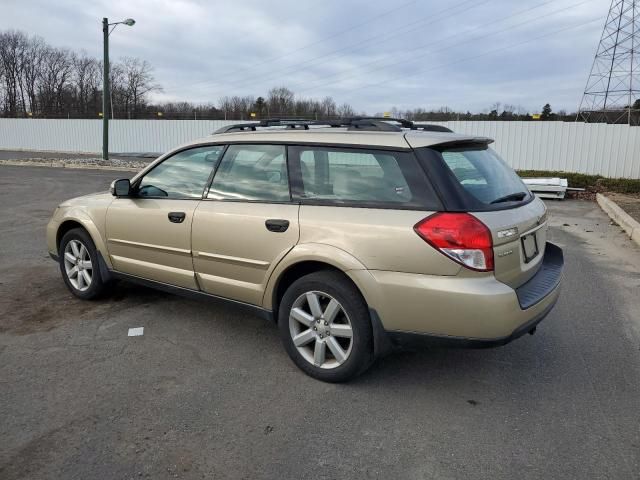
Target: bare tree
(226,106)
(345,110)
(139,81)
(328,107)
(32,70)
(118,91)
(279,101)
(12,53)
(54,79)
(86,79)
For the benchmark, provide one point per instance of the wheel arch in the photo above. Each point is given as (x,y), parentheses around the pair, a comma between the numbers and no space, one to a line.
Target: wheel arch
(79,221)
(304,259)
(66,226)
(360,278)
(293,273)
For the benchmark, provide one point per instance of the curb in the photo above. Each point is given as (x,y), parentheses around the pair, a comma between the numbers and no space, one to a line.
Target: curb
(622,218)
(62,164)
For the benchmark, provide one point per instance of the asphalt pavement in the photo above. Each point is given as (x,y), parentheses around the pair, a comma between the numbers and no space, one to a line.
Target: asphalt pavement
(209,392)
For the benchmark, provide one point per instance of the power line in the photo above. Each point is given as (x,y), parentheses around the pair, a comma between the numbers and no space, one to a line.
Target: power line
(312,44)
(412,57)
(435,42)
(474,57)
(367,42)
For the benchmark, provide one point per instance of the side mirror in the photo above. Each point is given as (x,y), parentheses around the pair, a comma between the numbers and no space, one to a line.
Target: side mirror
(120,188)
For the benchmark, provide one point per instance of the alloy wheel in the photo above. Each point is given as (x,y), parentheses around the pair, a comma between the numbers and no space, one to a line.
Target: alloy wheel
(77,265)
(320,329)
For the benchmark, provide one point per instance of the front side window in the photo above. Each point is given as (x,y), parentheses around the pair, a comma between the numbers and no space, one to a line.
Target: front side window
(355,176)
(252,173)
(183,175)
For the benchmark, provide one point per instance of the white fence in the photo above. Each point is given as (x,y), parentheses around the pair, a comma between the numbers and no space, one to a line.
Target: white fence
(609,150)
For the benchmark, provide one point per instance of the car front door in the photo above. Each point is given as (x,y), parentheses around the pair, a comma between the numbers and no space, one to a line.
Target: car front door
(149,232)
(246,224)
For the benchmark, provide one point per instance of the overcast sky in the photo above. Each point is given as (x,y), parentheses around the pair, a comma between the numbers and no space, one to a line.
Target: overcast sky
(373,54)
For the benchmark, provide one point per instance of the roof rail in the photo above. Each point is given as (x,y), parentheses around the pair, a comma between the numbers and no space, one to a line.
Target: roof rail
(238,127)
(379,124)
(403,122)
(430,127)
(384,123)
(293,123)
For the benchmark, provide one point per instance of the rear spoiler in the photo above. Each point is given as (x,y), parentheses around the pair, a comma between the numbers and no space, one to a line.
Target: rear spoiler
(463,142)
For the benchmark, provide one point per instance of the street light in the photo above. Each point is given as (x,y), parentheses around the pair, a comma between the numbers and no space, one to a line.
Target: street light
(130,22)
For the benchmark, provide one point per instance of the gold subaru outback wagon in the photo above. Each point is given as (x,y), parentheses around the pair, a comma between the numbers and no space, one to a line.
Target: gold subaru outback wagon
(354,236)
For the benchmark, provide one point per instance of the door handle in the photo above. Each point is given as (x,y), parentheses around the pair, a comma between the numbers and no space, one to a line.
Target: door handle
(176,217)
(276,225)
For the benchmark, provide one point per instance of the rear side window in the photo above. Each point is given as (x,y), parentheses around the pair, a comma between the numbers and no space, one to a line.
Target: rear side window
(485,176)
(252,172)
(360,177)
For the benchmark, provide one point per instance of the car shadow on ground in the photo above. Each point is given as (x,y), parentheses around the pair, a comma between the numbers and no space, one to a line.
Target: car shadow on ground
(524,358)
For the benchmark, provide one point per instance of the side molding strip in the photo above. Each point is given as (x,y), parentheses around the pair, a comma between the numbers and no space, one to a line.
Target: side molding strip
(148,245)
(187,292)
(229,259)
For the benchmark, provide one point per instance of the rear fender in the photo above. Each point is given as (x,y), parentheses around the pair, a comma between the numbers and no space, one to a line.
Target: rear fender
(312,252)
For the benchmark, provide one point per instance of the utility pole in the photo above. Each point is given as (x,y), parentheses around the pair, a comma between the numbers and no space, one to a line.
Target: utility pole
(106,89)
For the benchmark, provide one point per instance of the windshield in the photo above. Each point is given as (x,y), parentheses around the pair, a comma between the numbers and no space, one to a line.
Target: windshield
(484,175)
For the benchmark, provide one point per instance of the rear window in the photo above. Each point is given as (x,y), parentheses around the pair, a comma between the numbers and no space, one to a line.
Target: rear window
(361,177)
(485,176)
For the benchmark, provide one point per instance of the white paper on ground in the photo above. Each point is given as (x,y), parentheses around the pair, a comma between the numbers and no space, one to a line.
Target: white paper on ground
(135,332)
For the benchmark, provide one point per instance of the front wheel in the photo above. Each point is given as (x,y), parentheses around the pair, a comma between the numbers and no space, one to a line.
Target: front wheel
(79,265)
(325,326)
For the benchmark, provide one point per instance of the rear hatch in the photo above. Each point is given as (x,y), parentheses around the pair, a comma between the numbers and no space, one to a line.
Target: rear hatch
(472,178)
(519,239)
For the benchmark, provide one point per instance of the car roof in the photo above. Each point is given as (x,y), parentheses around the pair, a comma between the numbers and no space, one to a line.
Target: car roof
(342,136)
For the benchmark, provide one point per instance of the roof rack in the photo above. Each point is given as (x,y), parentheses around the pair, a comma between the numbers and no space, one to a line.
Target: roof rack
(379,124)
(292,123)
(430,127)
(383,123)
(384,120)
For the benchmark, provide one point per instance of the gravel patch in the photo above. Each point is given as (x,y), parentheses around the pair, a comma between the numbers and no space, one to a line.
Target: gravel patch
(129,163)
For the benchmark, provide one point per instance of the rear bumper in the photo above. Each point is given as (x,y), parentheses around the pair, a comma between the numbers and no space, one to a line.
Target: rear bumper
(471,310)
(418,340)
(545,280)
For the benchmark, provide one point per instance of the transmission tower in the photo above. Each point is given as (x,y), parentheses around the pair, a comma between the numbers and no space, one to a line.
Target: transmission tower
(613,86)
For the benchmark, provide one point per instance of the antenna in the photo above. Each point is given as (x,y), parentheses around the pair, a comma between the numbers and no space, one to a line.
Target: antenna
(612,92)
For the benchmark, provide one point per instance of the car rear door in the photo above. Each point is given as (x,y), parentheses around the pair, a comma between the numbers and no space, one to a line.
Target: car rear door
(149,233)
(246,224)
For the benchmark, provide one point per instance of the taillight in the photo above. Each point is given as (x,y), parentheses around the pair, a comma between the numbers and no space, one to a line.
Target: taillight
(461,237)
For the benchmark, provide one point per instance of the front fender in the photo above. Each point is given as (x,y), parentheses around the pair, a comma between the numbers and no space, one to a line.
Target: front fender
(93,222)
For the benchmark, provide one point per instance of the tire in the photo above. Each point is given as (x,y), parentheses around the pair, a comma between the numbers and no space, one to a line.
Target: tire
(78,250)
(316,333)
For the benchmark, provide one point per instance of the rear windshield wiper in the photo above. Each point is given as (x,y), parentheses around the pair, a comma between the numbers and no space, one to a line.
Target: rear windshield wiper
(511,197)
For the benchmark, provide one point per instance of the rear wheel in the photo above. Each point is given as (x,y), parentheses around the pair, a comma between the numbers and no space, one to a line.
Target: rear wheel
(79,265)
(325,326)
